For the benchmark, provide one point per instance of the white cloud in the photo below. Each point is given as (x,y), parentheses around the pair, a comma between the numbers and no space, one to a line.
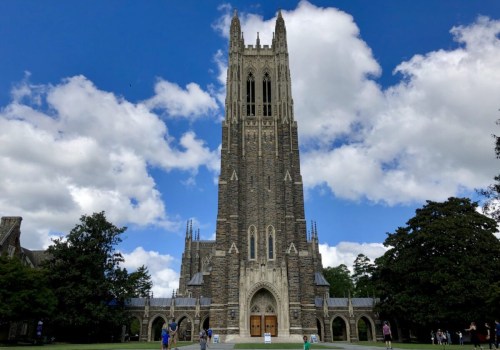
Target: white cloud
(72,149)
(427,137)
(346,252)
(190,103)
(164,278)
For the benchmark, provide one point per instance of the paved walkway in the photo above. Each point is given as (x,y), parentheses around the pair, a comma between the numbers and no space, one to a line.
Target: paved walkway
(229,346)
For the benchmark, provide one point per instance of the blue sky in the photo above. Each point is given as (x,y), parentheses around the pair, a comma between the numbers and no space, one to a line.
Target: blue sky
(117,105)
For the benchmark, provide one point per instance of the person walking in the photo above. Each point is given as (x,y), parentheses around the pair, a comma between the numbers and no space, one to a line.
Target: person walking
(497,333)
(490,336)
(474,337)
(307,345)
(203,340)
(460,338)
(164,337)
(386,331)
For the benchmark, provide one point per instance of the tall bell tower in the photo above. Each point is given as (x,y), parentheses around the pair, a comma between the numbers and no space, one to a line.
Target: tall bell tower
(263,274)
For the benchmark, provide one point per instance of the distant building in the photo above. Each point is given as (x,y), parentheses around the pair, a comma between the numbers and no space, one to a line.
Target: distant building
(10,234)
(263,272)
(10,244)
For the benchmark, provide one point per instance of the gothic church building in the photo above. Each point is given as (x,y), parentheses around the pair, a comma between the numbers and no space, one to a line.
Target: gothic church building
(263,272)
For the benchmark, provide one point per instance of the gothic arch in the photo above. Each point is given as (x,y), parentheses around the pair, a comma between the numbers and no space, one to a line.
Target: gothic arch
(253,242)
(372,334)
(262,285)
(270,243)
(206,264)
(346,327)
(321,329)
(156,319)
(186,327)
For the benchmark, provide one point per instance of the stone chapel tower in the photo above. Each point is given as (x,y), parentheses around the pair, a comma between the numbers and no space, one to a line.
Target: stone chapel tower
(262,273)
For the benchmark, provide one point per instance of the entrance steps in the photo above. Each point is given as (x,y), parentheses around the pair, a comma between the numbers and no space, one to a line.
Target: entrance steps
(293,338)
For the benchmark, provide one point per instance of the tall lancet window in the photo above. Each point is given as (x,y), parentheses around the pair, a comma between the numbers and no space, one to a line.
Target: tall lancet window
(252,242)
(266,95)
(250,95)
(270,242)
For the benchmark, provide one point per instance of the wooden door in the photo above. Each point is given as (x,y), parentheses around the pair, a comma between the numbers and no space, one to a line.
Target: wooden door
(271,325)
(255,326)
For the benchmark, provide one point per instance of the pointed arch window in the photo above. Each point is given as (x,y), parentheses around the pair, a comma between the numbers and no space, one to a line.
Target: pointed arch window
(252,243)
(271,246)
(270,242)
(250,95)
(266,95)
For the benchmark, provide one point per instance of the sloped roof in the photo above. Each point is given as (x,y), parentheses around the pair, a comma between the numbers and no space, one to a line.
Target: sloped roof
(320,280)
(135,302)
(35,256)
(363,302)
(160,301)
(197,280)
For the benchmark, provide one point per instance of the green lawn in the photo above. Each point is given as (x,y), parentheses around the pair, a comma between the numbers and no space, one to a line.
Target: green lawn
(155,345)
(100,346)
(417,346)
(281,346)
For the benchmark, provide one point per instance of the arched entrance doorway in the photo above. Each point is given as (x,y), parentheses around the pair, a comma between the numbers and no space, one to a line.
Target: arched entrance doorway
(319,327)
(263,316)
(156,328)
(185,329)
(364,329)
(206,324)
(339,329)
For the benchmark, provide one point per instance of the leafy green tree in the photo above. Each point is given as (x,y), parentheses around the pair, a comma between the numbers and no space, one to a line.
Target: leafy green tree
(362,276)
(491,207)
(439,268)
(88,282)
(340,280)
(492,204)
(24,294)
(140,282)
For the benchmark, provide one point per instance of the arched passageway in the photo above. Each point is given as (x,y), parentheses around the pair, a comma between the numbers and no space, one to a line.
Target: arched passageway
(134,329)
(185,329)
(339,329)
(156,328)
(364,329)
(319,331)
(206,324)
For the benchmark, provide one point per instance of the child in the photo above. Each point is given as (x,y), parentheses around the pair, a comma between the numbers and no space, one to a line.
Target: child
(164,337)
(307,345)
(203,340)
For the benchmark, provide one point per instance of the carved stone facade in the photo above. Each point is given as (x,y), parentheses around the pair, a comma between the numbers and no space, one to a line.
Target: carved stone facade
(263,272)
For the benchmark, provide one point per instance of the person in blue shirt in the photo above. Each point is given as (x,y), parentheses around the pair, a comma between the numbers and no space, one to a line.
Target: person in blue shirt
(164,337)
(209,334)
(172,330)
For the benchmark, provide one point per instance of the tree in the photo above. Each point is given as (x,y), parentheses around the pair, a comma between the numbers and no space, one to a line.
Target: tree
(439,267)
(140,282)
(24,293)
(362,276)
(88,282)
(340,280)
(492,193)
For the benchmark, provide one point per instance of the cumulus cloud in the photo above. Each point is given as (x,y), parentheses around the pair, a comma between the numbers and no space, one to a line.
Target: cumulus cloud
(71,148)
(191,102)
(164,278)
(346,252)
(426,137)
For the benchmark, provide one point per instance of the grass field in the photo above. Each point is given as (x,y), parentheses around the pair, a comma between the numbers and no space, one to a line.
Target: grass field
(156,345)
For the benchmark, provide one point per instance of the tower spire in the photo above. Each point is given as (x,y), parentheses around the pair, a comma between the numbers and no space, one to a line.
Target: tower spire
(235,31)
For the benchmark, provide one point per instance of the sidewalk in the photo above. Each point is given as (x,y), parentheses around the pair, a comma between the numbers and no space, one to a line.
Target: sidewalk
(229,346)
